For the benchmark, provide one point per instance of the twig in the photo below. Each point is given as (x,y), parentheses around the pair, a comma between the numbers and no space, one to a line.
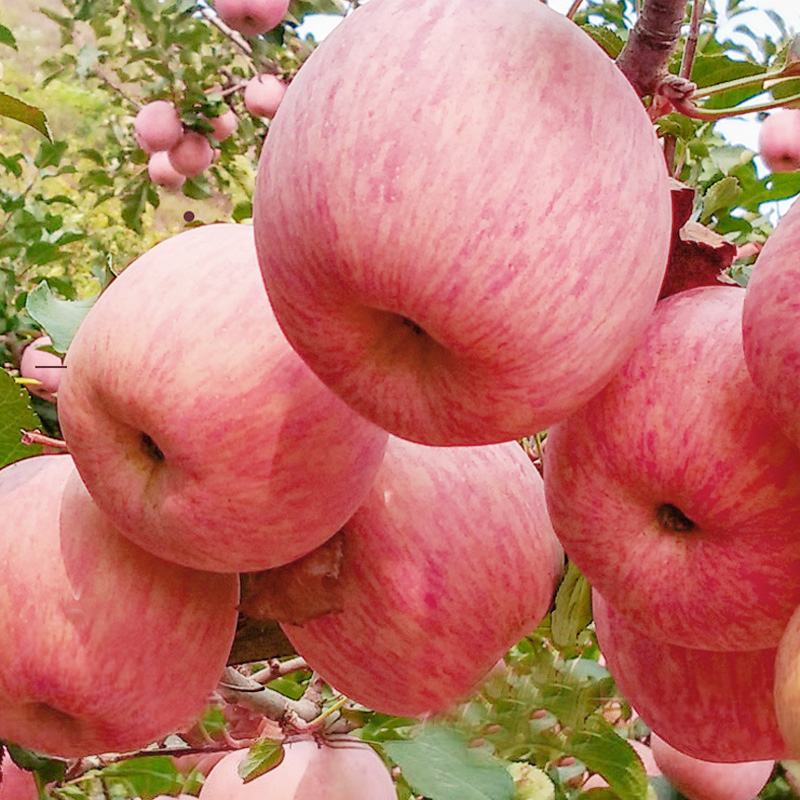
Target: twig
(691,40)
(237,688)
(573,9)
(233,35)
(35,437)
(277,669)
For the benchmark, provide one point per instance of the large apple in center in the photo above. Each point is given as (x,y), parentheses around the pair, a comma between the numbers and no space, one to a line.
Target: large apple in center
(462,217)
(674,490)
(193,423)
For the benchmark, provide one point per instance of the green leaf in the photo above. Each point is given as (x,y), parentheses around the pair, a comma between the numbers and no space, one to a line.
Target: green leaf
(263,755)
(606,38)
(242,211)
(720,196)
(16,415)
(15,109)
(145,777)
(530,782)
(603,750)
(60,318)
(7,38)
(438,763)
(48,769)
(573,608)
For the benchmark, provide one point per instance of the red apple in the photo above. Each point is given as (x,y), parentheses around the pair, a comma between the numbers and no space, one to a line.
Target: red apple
(16,783)
(252,17)
(787,684)
(779,140)
(161,171)
(771,323)
(263,94)
(674,491)
(157,126)
(44,366)
(336,768)
(449,562)
(107,648)
(224,124)
(195,425)
(462,239)
(706,780)
(712,705)
(192,155)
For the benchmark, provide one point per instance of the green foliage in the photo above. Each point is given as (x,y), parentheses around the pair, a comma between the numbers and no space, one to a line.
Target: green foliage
(263,755)
(60,318)
(13,108)
(16,415)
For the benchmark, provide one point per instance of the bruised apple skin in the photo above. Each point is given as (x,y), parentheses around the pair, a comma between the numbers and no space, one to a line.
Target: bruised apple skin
(711,705)
(446,232)
(706,780)
(448,562)
(771,323)
(674,491)
(107,648)
(336,768)
(211,448)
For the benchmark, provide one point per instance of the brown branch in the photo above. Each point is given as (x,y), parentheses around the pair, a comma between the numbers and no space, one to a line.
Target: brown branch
(646,54)
(691,40)
(258,640)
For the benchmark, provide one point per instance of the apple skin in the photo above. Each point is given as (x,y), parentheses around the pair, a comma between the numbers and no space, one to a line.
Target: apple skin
(224,124)
(787,684)
(263,95)
(449,562)
(706,780)
(16,783)
(195,425)
(161,171)
(252,17)
(192,155)
(340,768)
(42,365)
(681,427)
(770,327)
(779,140)
(712,705)
(423,238)
(157,126)
(77,598)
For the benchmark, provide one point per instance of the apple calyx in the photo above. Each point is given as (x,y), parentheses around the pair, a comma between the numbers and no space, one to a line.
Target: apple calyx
(671,518)
(150,448)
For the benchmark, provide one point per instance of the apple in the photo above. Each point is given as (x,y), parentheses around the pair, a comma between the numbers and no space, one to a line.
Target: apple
(196,427)
(449,561)
(675,492)
(770,327)
(224,124)
(712,705)
(706,780)
(192,155)
(108,648)
(43,366)
(16,783)
(459,237)
(779,140)
(252,17)
(263,95)
(157,126)
(332,768)
(787,684)
(161,171)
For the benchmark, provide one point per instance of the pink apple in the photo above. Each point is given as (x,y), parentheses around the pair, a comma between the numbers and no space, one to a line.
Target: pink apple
(449,562)
(44,366)
(252,17)
(674,491)
(336,768)
(712,705)
(192,155)
(263,95)
(779,140)
(157,126)
(461,239)
(224,124)
(161,171)
(787,684)
(108,648)
(706,780)
(771,323)
(16,783)
(195,425)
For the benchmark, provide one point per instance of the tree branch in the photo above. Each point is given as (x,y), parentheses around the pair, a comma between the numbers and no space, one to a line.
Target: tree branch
(646,54)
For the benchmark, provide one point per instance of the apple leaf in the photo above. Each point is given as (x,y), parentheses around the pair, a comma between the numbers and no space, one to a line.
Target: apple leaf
(603,750)
(7,38)
(438,764)
(60,318)
(144,777)
(13,108)
(263,755)
(573,608)
(16,414)
(48,769)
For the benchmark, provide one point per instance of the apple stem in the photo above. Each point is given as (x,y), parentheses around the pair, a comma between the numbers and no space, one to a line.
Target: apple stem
(36,437)
(671,518)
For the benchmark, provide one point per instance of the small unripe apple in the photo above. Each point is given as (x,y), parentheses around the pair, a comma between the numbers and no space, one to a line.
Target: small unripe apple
(338,768)
(157,126)
(192,155)
(263,95)
(42,365)
(252,17)
(710,780)
(779,140)
(161,171)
